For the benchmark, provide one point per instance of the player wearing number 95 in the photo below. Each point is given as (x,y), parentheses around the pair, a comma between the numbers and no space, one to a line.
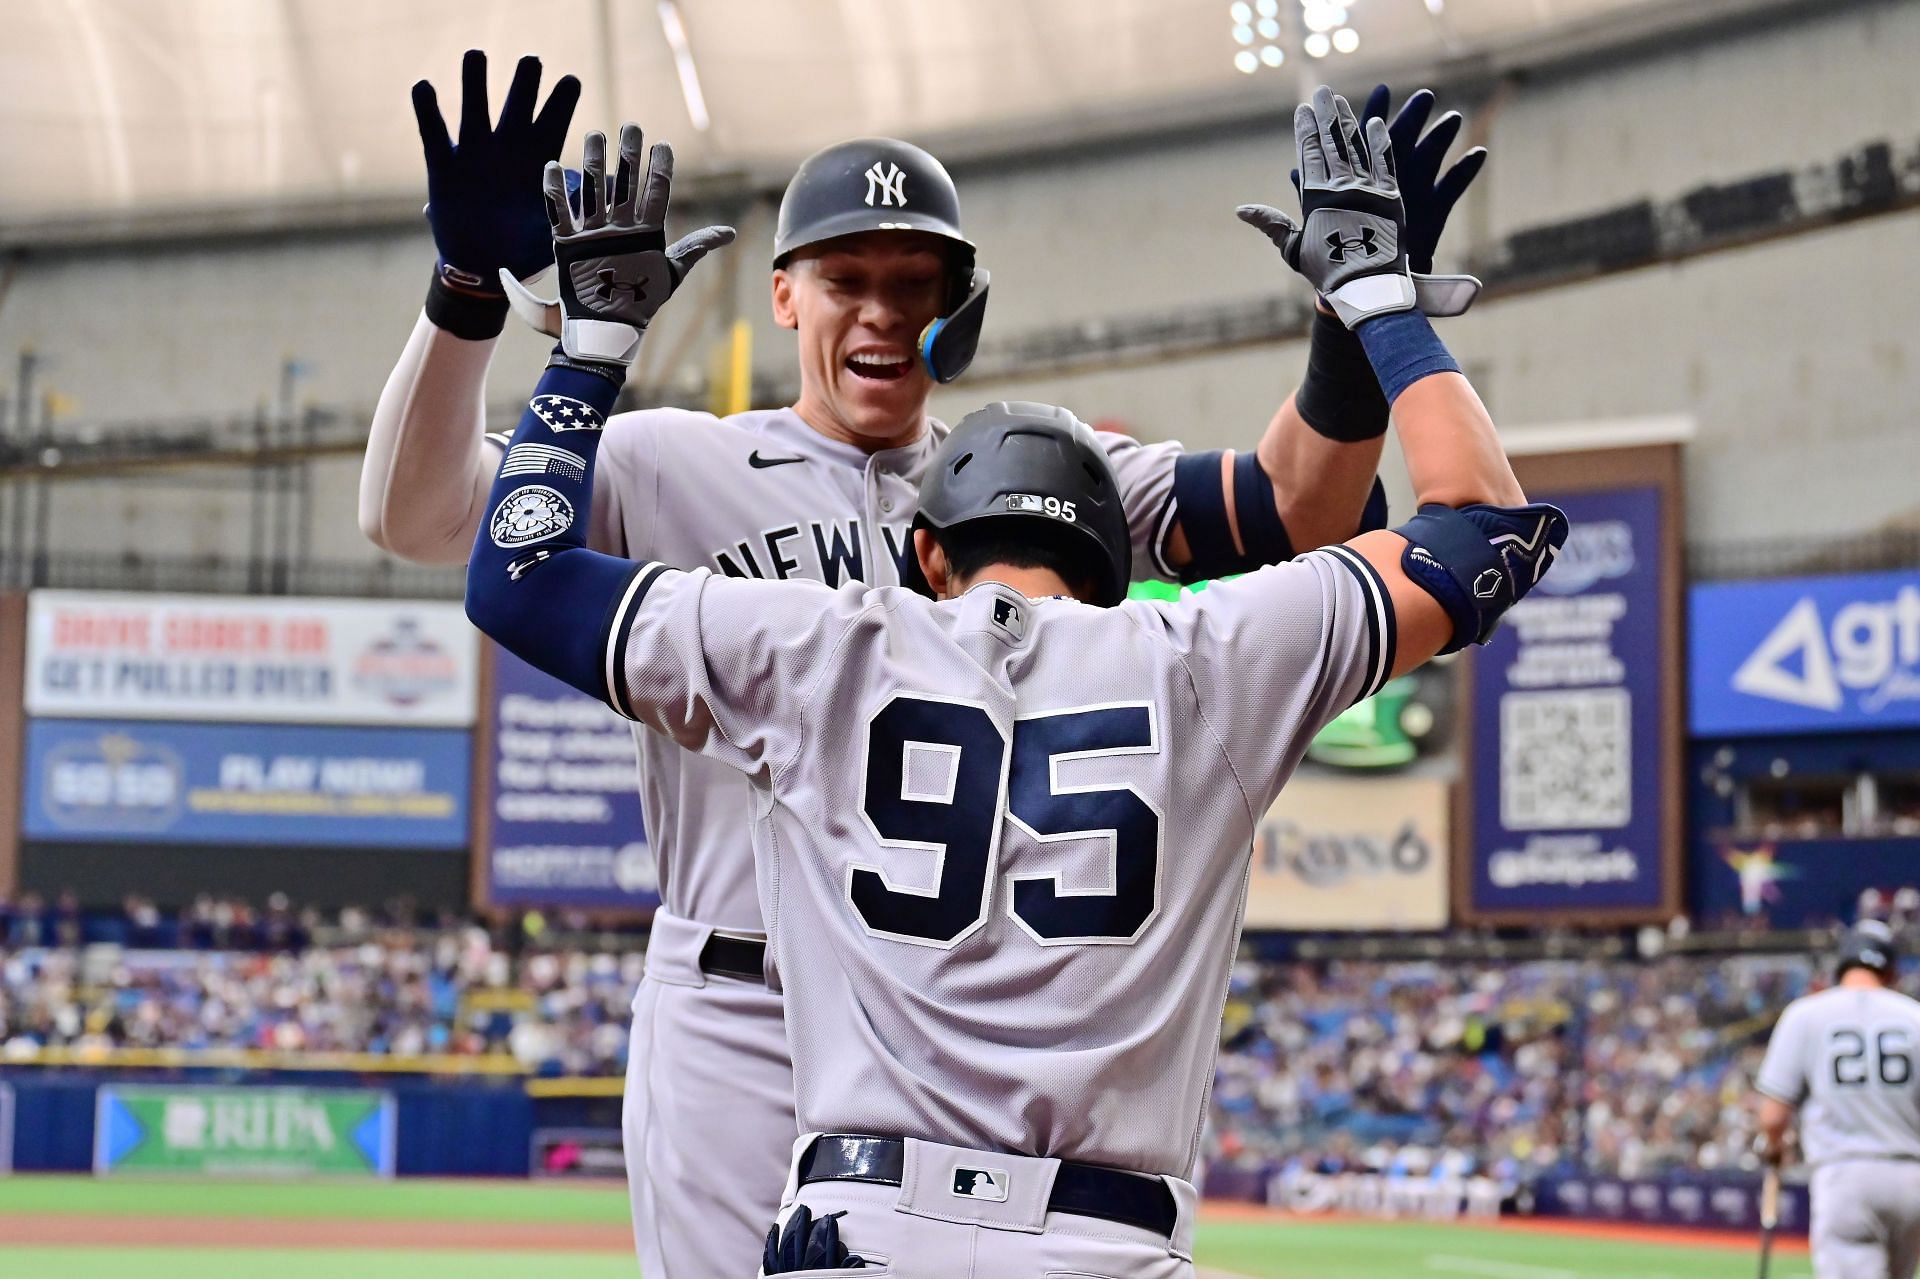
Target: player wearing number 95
(1845,1058)
(1003,833)
(872,270)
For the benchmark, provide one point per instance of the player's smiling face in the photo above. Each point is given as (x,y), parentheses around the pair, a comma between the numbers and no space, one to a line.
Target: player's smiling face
(859,304)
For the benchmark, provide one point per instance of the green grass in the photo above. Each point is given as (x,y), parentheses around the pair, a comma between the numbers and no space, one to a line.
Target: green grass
(348,1200)
(186,1263)
(1257,1250)
(1417,1250)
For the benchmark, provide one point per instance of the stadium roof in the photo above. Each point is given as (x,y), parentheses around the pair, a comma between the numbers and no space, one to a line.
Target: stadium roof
(127,111)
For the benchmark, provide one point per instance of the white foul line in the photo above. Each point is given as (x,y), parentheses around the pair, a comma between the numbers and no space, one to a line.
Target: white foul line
(1496,1269)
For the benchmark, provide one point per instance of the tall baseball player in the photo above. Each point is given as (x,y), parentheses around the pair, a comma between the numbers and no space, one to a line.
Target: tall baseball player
(1003,838)
(1845,1057)
(873,272)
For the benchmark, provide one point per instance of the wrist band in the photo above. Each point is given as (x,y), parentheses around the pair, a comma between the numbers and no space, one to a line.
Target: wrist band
(614,373)
(465,315)
(1403,349)
(1340,397)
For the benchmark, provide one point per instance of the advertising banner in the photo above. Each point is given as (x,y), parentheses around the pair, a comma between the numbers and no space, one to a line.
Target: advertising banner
(1352,853)
(247,1132)
(1722,1203)
(577,1154)
(216,657)
(1805,655)
(308,785)
(564,824)
(6,1128)
(1566,769)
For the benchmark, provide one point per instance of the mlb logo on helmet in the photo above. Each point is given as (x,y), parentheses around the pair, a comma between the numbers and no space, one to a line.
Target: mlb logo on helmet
(981,1183)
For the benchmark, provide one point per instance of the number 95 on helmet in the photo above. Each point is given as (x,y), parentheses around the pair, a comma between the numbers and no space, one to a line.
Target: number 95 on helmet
(1018,460)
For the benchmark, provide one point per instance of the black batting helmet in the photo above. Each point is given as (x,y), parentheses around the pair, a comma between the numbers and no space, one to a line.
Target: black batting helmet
(1015,460)
(868,184)
(1868,944)
(884,184)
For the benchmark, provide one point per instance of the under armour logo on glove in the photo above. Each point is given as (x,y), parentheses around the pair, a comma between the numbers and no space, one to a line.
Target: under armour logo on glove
(612,286)
(1366,244)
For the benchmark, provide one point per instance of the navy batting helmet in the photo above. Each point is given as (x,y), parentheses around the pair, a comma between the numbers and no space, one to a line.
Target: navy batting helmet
(883,184)
(1868,944)
(1016,460)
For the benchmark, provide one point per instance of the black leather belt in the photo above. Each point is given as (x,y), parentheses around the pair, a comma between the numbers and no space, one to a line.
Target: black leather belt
(742,957)
(1085,1190)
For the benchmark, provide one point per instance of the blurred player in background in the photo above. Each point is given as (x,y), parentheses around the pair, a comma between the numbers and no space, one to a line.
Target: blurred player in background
(1845,1058)
(870,259)
(1001,908)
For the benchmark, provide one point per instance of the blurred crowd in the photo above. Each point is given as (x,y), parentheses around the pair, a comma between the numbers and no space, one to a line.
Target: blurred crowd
(276,981)
(1509,1070)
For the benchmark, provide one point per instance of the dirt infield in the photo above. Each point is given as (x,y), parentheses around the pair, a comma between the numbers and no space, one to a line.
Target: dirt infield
(55,1231)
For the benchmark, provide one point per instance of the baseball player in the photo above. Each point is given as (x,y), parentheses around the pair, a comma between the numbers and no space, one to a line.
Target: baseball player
(1845,1058)
(1003,838)
(875,275)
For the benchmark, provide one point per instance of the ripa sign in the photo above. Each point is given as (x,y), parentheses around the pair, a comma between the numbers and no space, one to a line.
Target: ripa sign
(1809,654)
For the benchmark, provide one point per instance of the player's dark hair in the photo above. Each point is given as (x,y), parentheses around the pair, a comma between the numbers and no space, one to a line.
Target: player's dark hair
(1022,542)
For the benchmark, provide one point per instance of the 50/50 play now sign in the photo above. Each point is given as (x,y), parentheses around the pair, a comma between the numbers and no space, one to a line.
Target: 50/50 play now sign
(243,1131)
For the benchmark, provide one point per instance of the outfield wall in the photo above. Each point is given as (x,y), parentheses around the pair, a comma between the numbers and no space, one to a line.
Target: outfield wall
(440,1127)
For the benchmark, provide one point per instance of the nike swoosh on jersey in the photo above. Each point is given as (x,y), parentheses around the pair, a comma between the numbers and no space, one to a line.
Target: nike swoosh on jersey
(759,463)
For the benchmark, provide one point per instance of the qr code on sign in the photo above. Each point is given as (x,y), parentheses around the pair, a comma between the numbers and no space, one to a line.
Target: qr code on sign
(1566,759)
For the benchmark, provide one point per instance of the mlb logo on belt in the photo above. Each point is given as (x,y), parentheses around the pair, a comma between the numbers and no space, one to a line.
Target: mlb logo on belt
(981,1183)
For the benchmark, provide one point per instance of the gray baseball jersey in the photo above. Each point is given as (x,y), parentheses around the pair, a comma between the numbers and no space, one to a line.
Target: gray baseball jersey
(1005,842)
(763,495)
(1850,1059)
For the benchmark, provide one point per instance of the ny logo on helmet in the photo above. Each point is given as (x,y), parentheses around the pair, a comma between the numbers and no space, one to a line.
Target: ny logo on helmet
(886,186)
(1365,244)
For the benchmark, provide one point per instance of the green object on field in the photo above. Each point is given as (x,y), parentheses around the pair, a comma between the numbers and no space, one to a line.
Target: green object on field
(251,1132)
(1368,734)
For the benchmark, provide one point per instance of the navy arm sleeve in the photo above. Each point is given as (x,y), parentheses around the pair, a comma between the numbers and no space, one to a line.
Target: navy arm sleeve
(532,584)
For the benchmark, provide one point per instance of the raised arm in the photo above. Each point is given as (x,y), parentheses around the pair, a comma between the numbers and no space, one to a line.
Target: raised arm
(423,484)
(1475,547)
(1317,461)
(532,584)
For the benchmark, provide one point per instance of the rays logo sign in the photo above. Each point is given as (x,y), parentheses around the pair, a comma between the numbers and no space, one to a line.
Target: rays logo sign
(1800,654)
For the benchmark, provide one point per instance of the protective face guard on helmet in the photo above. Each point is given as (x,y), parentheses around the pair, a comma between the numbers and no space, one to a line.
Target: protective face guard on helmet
(948,344)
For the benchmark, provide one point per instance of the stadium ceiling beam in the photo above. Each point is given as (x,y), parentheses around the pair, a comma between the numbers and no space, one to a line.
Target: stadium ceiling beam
(981,148)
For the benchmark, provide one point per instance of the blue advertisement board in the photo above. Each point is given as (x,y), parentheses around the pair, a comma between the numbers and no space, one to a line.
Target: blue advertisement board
(565,818)
(307,785)
(1805,655)
(1567,737)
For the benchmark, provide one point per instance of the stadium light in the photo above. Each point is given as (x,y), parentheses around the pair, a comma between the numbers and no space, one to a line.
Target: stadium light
(1317,45)
(1346,40)
(1245,62)
(676,33)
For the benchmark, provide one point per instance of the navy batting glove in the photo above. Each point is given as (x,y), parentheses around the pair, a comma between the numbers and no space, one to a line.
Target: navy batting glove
(484,197)
(1428,194)
(807,1244)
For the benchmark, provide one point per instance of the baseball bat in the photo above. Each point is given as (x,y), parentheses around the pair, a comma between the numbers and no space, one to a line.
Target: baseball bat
(1769,1215)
